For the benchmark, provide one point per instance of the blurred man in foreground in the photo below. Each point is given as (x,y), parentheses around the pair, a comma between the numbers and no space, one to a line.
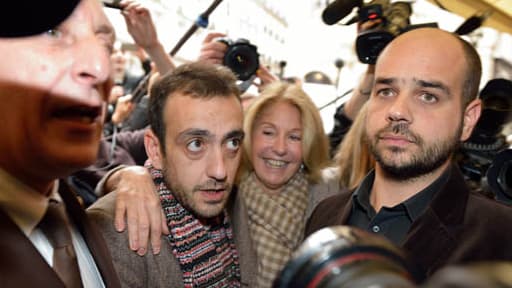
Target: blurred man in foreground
(53,88)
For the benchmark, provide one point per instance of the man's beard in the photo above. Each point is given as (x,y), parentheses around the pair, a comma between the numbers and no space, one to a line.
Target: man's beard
(186,198)
(428,159)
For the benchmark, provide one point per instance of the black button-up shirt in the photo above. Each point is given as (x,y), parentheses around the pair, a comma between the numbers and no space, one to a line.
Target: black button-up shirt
(392,222)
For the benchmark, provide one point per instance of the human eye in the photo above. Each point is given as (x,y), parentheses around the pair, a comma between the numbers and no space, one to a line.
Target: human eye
(295,137)
(58,36)
(267,132)
(105,33)
(385,92)
(54,33)
(428,98)
(195,145)
(234,144)
(107,43)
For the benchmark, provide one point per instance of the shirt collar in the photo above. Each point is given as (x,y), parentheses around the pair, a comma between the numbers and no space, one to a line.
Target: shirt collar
(25,206)
(414,206)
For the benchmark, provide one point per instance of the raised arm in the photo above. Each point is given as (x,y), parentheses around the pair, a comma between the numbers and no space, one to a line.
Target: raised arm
(142,29)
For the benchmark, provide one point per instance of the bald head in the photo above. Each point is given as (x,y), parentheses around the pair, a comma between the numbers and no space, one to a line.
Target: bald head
(430,49)
(419,110)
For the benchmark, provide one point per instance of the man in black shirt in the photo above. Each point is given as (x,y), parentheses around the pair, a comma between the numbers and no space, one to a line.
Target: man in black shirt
(423,104)
(393,222)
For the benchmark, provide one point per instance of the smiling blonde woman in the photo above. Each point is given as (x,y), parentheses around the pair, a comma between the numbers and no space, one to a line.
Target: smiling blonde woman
(285,151)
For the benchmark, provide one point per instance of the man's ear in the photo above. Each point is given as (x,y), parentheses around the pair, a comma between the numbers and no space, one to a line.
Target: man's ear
(153,149)
(471,116)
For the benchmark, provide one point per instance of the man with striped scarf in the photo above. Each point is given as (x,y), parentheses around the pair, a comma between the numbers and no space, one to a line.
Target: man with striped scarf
(194,149)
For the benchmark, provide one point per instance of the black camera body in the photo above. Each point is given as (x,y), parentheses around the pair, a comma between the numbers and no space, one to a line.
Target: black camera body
(241,57)
(488,169)
(394,19)
(499,176)
(485,158)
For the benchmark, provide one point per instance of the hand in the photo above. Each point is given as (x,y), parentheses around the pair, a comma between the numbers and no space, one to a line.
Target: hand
(367,25)
(266,77)
(139,24)
(142,29)
(115,92)
(212,51)
(124,108)
(137,200)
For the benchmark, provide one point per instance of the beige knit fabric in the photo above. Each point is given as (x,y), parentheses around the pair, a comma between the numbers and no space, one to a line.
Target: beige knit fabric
(276,223)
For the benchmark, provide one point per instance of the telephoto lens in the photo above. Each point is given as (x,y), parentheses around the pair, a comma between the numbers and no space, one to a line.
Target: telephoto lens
(342,256)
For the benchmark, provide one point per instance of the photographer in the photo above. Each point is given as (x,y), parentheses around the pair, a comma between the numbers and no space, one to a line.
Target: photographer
(346,113)
(214,51)
(378,22)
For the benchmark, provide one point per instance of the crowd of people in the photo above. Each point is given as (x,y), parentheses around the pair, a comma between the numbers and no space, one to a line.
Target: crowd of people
(200,189)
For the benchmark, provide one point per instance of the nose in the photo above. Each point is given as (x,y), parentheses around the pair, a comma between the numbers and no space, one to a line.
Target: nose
(279,145)
(91,64)
(216,166)
(399,109)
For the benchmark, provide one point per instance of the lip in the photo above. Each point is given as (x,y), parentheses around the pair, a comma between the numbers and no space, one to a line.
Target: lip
(395,140)
(213,196)
(79,115)
(79,118)
(267,163)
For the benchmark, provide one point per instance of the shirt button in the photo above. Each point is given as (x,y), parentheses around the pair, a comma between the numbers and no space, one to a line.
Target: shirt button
(376,229)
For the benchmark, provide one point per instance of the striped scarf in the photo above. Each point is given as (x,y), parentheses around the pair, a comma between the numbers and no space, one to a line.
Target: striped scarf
(276,223)
(207,254)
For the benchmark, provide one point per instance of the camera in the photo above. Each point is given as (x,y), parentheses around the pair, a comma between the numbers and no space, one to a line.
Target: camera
(485,159)
(389,19)
(343,256)
(394,18)
(241,57)
(488,171)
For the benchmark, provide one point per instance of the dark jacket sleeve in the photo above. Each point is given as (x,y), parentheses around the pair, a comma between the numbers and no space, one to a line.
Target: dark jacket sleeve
(127,149)
(341,126)
(330,212)
(133,143)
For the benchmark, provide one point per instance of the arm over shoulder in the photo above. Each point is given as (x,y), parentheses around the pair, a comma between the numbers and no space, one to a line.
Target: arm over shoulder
(129,266)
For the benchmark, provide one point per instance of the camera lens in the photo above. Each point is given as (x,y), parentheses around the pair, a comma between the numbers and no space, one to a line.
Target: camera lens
(242,58)
(342,256)
(505,178)
(499,176)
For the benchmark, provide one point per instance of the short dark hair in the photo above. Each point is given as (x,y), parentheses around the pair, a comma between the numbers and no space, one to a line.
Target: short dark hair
(197,80)
(473,72)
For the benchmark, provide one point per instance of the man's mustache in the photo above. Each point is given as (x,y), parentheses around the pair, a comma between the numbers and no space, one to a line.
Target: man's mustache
(213,184)
(401,129)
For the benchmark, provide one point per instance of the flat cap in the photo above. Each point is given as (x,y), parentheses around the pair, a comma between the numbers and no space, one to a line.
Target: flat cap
(20,18)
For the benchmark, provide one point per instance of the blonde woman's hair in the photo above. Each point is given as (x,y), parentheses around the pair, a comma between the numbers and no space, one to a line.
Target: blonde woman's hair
(353,157)
(315,147)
